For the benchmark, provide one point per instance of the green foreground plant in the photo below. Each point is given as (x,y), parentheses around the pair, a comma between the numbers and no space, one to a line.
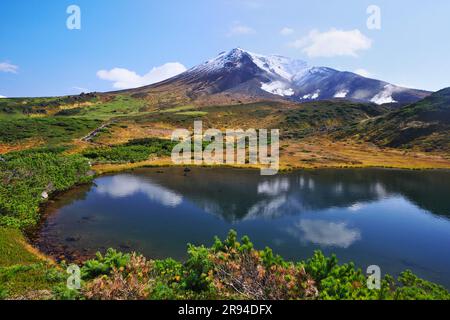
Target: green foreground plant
(235,270)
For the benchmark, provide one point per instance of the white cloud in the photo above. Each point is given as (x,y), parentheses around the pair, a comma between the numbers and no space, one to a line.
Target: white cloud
(238,29)
(333,43)
(125,185)
(2,97)
(126,79)
(363,73)
(8,67)
(324,233)
(286,31)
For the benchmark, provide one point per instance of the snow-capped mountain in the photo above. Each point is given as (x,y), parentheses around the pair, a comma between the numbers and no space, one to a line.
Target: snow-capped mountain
(244,73)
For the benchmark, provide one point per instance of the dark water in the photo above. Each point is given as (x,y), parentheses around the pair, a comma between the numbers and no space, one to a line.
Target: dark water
(395,219)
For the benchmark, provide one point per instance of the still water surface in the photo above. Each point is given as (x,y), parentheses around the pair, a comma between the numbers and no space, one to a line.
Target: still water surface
(395,219)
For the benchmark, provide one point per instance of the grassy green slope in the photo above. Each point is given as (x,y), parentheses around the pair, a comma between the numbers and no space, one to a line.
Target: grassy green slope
(52,130)
(327,117)
(20,107)
(23,274)
(424,125)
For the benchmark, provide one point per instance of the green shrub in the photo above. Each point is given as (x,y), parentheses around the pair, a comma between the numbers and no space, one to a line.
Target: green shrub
(103,265)
(118,154)
(133,151)
(319,266)
(24,176)
(3,292)
(414,288)
(51,130)
(61,292)
(197,267)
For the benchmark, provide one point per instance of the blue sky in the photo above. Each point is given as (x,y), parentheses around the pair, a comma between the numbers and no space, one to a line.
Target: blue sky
(39,56)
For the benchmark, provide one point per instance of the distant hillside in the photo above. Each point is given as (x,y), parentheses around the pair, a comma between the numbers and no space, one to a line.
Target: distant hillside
(325,117)
(424,125)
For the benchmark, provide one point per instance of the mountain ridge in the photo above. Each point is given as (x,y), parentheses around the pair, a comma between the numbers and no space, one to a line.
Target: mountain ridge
(241,74)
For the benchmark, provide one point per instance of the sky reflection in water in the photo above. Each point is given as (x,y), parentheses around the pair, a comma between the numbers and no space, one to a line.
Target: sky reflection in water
(396,219)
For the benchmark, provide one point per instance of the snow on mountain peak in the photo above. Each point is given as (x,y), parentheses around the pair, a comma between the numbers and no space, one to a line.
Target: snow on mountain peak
(275,65)
(223,60)
(283,67)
